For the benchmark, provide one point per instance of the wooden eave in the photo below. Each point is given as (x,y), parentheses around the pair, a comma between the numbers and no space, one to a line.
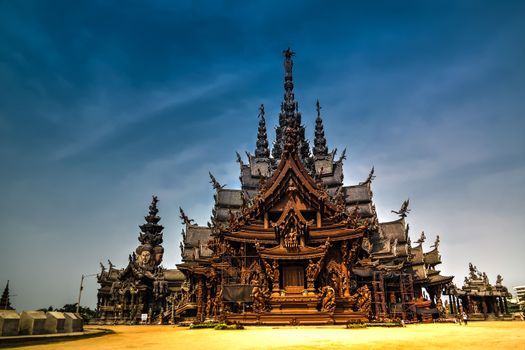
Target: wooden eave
(302,253)
(337,233)
(437,280)
(251,237)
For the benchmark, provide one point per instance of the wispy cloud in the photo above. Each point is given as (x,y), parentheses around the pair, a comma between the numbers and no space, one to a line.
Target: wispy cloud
(110,118)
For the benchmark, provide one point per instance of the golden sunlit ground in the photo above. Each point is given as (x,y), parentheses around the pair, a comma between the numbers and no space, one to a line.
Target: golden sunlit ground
(480,335)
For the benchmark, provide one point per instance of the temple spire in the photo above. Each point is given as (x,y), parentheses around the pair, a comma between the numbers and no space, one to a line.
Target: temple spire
(151,231)
(290,117)
(320,149)
(5,304)
(262,150)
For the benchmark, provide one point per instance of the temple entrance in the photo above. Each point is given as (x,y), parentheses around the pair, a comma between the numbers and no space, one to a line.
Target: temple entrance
(293,276)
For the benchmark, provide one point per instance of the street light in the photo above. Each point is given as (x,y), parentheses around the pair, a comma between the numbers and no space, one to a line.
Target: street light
(82,287)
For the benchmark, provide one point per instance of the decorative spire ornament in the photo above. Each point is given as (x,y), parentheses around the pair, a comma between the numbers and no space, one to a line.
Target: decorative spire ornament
(262,150)
(5,304)
(320,149)
(151,231)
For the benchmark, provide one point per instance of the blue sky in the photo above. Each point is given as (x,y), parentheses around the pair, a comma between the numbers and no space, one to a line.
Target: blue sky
(105,103)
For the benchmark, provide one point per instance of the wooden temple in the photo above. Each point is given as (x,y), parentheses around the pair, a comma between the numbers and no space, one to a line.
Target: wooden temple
(293,245)
(478,298)
(143,287)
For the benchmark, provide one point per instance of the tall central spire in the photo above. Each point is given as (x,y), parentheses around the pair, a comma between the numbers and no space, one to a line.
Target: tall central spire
(290,115)
(289,103)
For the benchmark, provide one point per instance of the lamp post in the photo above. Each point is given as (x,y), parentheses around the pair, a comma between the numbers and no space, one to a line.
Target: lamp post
(82,287)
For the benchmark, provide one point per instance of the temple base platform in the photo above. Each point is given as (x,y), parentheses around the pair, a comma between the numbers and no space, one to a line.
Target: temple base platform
(296,309)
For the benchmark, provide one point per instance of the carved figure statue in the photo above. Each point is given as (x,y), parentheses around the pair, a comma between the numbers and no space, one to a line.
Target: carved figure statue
(291,238)
(364,301)
(327,299)
(275,267)
(440,308)
(260,299)
(144,255)
(312,270)
(245,275)
(473,271)
(499,281)
(272,273)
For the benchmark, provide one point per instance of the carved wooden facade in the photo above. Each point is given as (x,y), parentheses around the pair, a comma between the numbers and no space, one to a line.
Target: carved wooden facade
(294,245)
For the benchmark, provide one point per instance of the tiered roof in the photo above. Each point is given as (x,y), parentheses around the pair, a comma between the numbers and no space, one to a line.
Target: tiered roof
(265,180)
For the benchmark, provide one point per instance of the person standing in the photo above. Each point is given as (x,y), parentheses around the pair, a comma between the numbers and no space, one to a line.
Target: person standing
(465,318)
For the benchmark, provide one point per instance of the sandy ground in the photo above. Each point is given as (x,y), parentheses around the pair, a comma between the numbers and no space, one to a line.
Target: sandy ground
(480,335)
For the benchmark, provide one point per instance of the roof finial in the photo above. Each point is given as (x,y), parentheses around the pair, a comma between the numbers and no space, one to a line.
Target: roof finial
(216,185)
(404,210)
(262,150)
(436,243)
(320,149)
(185,219)
(421,238)
(290,117)
(288,63)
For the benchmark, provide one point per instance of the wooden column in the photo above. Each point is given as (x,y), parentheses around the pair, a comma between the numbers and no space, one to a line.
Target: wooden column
(501,306)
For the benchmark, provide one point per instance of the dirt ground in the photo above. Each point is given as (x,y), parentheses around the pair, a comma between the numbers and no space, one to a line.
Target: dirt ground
(480,335)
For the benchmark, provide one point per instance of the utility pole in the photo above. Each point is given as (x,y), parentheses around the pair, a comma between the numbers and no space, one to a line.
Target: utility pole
(81,288)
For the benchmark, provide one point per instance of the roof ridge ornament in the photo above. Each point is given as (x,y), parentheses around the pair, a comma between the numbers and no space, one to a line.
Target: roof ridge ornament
(216,185)
(185,219)
(436,243)
(370,177)
(421,238)
(404,210)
